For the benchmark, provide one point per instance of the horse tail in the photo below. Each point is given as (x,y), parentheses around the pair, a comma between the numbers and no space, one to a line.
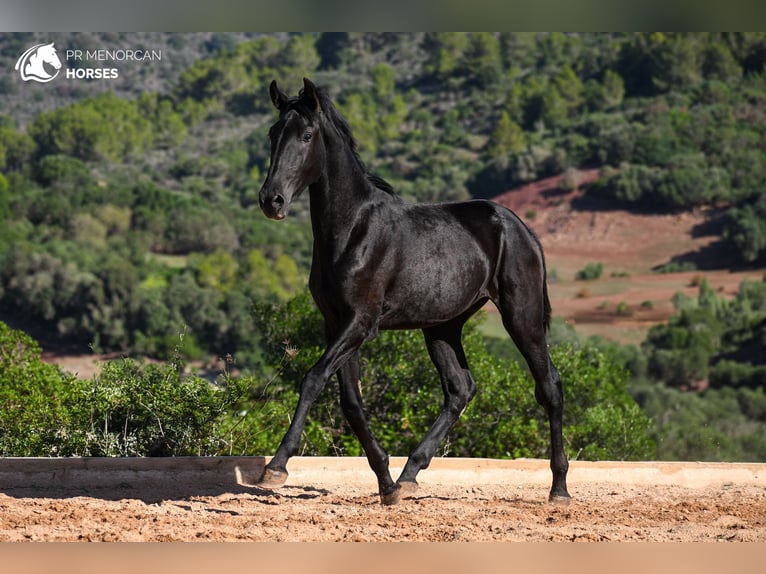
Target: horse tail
(546,300)
(547,311)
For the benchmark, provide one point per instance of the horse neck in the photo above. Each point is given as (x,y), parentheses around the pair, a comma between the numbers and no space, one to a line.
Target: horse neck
(336,198)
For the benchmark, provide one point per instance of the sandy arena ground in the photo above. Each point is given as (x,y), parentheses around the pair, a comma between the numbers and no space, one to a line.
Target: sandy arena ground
(335,499)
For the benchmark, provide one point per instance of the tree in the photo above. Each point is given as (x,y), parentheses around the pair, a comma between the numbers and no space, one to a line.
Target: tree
(333,49)
(299,56)
(746,230)
(103,127)
(482,62)
(16,150)
(570,88)
(518,49)
(680,351)
(653,63)
(444,51)
(266,279)
(607,94)
(383,81)
(217,270)
(5,199)
(361,114)
(718,63)
(676,61)
(507,137)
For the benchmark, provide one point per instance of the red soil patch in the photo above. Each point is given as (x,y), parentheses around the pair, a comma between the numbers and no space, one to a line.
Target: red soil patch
(576,230)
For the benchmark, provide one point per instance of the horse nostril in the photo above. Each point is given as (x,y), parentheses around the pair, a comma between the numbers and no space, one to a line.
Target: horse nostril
(278,201)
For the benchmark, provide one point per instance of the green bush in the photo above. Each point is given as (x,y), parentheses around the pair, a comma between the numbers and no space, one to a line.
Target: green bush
(590,272)
(676,267)
(623,309)
(128,409)
(403,397)
(37,410)
(153,410)
(727,373)
(716,425)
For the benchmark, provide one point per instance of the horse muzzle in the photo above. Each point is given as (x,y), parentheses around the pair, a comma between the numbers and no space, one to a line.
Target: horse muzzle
(274,206)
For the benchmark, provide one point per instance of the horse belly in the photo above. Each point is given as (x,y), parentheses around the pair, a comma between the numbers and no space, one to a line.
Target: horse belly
(441,280)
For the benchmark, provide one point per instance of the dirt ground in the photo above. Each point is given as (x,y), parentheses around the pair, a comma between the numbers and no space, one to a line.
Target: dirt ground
(460,500)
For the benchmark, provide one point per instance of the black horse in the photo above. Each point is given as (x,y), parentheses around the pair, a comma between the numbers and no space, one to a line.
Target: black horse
(382,263)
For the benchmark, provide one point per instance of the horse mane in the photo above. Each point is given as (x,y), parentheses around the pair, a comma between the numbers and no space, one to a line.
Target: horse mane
(344,131)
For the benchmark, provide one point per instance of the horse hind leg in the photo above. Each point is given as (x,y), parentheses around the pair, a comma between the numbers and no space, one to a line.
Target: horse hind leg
(446,352)
(525,324)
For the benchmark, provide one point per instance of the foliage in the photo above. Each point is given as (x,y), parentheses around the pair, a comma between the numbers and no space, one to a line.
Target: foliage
(590,272)
(153,410)
(705,333)
(113,183)
(232,76)
(403,396)
(106,127)
(716,425)
(127,410)
(747,230)
(35,401)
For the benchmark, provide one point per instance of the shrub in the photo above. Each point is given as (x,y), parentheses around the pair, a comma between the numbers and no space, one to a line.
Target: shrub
(715,425)
(153,410)
(403,396)
(590,272)
(570,180)
(36,407)
(676,267)
(128,409)
(623,309)
(696,281)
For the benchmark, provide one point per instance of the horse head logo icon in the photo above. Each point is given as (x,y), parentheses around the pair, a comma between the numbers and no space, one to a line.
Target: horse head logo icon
(32,63)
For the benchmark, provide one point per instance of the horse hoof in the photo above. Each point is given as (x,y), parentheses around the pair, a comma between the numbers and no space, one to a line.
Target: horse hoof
(272,479)
(558,500)
(391,498)
(408,488)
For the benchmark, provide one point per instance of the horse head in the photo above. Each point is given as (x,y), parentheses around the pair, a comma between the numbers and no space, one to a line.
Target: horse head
(297,149)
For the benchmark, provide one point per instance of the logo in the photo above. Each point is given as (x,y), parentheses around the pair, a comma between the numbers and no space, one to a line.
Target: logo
(35,63)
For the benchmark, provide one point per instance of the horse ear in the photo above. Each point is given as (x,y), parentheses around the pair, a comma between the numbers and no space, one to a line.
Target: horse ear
(278,97)
(311,95)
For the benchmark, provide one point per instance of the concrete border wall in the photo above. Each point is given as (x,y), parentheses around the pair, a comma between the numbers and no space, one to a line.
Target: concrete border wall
(206,475)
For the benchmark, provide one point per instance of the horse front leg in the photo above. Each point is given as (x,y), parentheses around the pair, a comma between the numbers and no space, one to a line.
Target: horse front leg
(275,473)
(337,354)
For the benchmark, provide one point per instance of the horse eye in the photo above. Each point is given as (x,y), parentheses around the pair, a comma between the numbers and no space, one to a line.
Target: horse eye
(307,137)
